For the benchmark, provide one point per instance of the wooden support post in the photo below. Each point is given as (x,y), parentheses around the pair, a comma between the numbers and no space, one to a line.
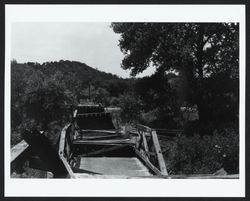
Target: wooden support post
(160,158)
(62,143)
(145,143)
(145,160)
(74,114)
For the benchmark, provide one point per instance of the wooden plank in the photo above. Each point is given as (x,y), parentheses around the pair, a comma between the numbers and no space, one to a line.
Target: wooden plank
(93,114)
(203,176)
(91,176)
(61,151)
(145,142)
(144,128)
(102,137)
(129,166)
(75,113)
(112,109)
(168,131)
(100,131)
(18,149)
(105,142)
(160,158)
(148,163)
(235,176)
(104,150)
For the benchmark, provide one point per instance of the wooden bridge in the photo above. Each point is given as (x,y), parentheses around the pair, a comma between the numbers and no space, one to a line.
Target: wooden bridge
(22,156)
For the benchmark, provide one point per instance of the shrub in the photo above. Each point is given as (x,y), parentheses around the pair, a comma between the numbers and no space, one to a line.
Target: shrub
(131,107)
(205,154)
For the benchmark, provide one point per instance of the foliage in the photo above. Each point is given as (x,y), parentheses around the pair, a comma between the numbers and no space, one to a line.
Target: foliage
(41,94)
(131,107)
(196,50)
(204,58)
(205,155)
(159,100)
(101,96)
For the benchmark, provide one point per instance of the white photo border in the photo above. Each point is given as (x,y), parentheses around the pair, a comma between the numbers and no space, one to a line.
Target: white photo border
(124,187)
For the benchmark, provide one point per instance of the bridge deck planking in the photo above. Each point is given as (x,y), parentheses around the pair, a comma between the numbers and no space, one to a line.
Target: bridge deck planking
(127,166)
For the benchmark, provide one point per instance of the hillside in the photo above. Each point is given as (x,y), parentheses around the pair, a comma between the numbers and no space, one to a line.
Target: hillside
(40,93)
(74,77)
(78,69)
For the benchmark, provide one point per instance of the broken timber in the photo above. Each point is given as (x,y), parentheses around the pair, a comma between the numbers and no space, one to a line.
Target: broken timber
(159,154)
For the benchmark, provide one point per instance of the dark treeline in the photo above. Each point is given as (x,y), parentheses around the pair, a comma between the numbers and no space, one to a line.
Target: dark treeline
(195,88)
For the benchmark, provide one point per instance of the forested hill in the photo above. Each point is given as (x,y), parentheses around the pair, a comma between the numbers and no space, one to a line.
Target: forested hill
(39,92)
(77,69)
(72,70)
(74,78)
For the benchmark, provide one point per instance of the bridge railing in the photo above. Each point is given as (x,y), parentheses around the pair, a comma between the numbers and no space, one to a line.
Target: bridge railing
(150,150)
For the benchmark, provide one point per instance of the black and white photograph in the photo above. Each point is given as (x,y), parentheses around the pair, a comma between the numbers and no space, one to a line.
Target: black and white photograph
(125,100)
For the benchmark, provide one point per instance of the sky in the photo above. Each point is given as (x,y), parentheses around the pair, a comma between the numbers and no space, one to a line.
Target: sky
(94,44)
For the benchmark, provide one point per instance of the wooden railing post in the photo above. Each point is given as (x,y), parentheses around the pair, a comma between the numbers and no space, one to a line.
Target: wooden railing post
(160,158)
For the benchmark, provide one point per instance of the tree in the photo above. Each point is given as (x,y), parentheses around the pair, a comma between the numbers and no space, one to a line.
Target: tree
(195,50)
(131,107)
(159,100)
(101,95)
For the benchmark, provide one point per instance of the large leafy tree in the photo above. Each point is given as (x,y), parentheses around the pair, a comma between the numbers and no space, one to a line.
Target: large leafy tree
(196,50)
(159,101)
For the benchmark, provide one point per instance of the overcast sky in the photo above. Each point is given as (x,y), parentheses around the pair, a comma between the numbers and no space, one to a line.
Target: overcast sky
(92,43)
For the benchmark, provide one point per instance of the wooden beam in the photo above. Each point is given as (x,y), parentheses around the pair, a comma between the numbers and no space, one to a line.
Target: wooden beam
(158,151)
(100,131)
(146,161)
(92,114)
(75,113)
(80,175)
(142,127)
(102,137)
(145,142)
(18,149)
(202,176)
(112,109)
(106,142)
(61,151)
(104,150)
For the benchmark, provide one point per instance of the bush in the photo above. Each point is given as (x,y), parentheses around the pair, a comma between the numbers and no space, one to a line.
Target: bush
(131,107)
(205,154)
